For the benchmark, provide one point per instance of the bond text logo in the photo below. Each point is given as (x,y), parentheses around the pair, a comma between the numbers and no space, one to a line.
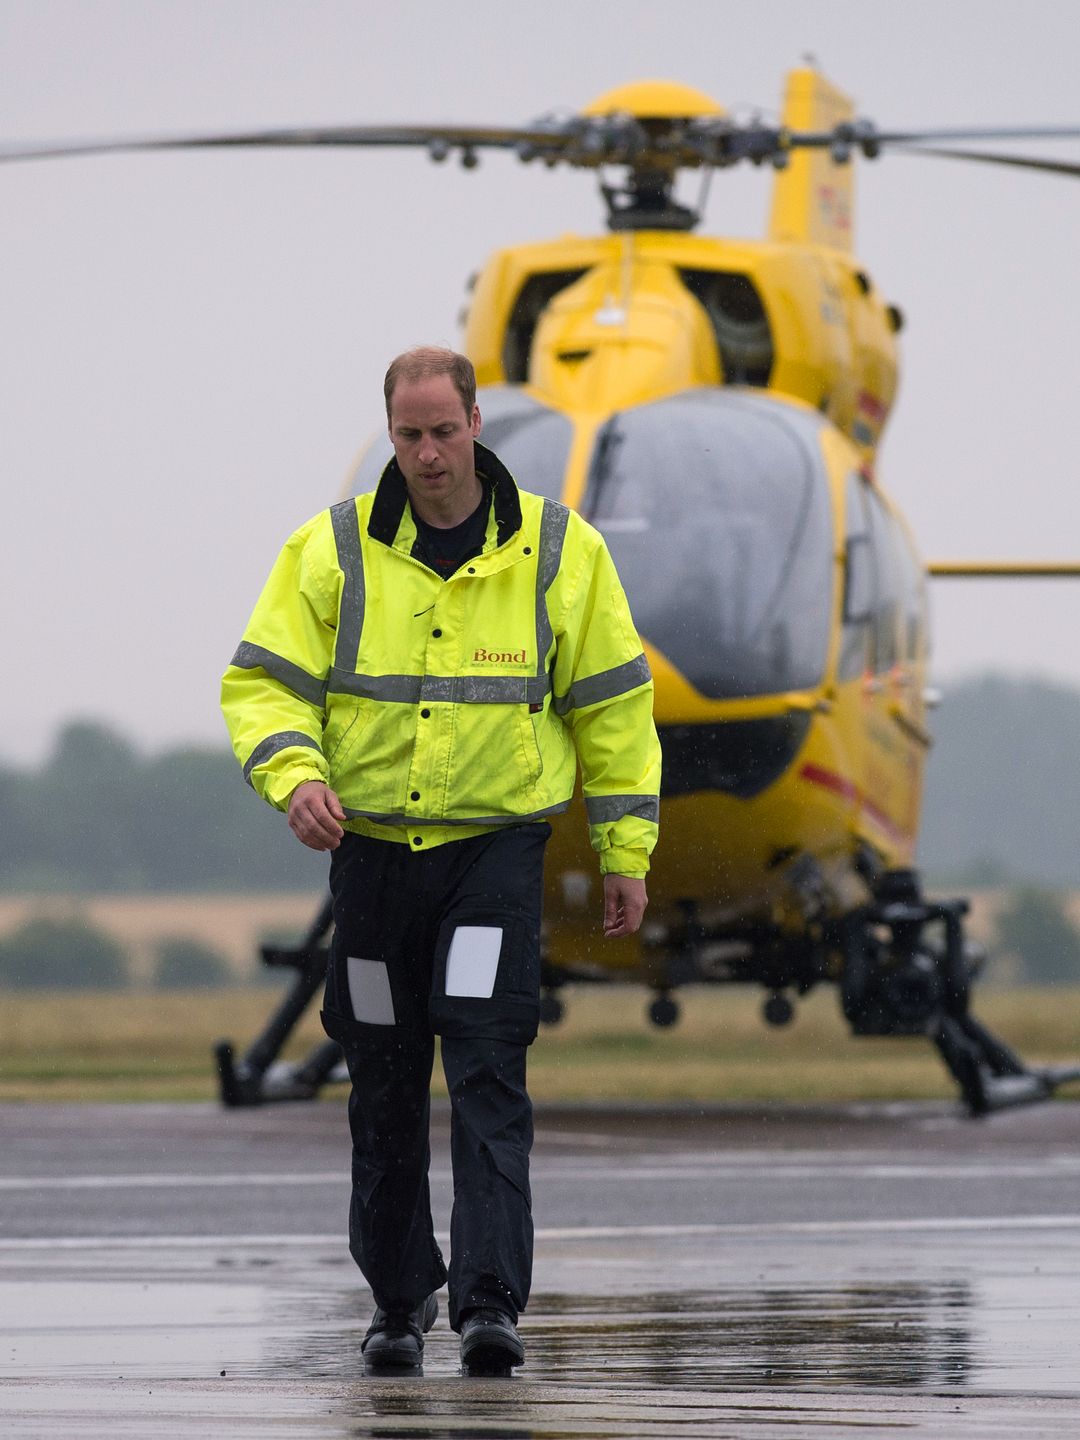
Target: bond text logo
(499,657)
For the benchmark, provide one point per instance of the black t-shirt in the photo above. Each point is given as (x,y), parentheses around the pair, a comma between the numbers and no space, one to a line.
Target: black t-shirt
(444,551)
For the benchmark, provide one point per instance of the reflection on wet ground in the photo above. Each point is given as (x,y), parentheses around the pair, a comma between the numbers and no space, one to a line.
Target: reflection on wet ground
(893,1336)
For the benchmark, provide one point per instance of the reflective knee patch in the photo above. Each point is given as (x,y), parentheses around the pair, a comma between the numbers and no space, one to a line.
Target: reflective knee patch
(473,961)
(369,991)
(486,980)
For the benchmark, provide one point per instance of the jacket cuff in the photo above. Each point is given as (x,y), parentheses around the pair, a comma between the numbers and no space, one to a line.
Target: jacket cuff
(277,789)
(617,860)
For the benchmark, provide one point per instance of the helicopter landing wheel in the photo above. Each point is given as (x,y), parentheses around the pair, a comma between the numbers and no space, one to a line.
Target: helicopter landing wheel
(778,1009)
(552,1008)
(663,1011)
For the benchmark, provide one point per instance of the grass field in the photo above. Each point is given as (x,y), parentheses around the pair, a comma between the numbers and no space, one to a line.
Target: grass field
(134,1045)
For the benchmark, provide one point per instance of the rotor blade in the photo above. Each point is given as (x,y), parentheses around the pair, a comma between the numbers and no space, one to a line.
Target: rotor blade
(582,141)
(1003,570)
(1023,162)
(725,144)
(467,137)
(856,131)
(1013,132)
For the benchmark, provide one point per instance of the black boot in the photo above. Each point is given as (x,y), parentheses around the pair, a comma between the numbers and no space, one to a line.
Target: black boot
(395,1338)
(490,1344)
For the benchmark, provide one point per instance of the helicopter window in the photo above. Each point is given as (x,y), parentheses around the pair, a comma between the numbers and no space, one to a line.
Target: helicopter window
(884,598)
(860,583)
(913,599)
(532,299)
(739,323)
(885,630)
(715,506)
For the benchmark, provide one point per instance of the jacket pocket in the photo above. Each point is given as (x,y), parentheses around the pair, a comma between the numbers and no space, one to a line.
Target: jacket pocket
(341,733)
(530,746)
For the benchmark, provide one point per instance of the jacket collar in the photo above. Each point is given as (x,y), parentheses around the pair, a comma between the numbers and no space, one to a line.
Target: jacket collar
(391,497)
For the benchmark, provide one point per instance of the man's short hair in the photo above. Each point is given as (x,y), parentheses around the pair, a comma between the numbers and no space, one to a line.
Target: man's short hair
(425,360)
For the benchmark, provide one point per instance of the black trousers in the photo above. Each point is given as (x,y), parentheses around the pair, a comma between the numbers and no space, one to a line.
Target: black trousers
(443,943)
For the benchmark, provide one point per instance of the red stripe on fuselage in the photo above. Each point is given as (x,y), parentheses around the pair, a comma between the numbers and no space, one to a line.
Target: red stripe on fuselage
(848,790)
(828,780)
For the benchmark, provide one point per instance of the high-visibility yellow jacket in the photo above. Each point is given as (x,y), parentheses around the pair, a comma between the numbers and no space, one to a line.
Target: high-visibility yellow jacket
(437,709)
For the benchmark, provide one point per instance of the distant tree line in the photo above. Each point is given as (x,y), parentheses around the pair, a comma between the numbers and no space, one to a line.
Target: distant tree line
(1002,799)
(99,816)
(47,953)
(1035,941)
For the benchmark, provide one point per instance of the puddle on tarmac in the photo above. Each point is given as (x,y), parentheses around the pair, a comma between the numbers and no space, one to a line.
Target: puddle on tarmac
(868,1337)
(946,1337)
(895,1336)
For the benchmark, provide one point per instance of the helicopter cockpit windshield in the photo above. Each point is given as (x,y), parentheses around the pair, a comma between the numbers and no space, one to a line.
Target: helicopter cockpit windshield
(715,506)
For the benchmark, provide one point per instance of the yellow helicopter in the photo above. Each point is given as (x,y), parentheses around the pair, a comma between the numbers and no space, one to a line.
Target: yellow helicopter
(714,407)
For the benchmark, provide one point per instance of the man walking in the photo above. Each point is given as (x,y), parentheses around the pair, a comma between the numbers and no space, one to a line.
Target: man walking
(422,673)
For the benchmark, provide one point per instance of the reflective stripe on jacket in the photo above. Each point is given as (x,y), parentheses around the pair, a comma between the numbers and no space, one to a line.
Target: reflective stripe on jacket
(450,706)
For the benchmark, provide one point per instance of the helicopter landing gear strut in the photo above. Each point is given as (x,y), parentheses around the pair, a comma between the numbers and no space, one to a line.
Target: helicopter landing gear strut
(901,980)
(989,1074)
(258,1076)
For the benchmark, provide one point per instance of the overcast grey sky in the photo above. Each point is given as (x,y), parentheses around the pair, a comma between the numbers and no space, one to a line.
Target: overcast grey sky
(192,345)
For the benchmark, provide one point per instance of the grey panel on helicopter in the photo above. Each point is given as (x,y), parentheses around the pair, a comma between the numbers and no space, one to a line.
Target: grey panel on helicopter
(531,440)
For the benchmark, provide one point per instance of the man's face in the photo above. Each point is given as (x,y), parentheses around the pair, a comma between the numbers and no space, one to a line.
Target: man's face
(433,440)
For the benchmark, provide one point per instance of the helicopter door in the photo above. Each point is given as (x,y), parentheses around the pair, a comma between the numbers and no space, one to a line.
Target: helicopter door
(882,622)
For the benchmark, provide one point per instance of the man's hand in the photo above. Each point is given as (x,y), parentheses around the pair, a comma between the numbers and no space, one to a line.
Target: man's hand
(314,813)
(624,905)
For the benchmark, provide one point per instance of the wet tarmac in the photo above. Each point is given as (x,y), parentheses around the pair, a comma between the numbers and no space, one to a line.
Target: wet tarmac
(173,1270)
